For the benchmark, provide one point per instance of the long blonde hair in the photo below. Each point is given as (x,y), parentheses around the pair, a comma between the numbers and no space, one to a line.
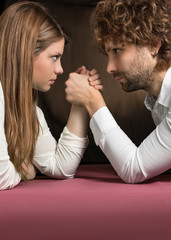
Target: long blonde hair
(26,29)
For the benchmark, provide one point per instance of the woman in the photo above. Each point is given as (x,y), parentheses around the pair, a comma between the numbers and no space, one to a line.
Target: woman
(31,46)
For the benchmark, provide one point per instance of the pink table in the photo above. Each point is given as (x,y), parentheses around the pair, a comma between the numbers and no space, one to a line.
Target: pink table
(95,205)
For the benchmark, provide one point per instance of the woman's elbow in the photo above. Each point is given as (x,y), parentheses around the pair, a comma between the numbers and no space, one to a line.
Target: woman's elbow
(132,178)
(60,174)
(66,174)
(131,181)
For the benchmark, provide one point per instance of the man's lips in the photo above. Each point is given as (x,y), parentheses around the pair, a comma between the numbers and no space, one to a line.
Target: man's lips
(118,78)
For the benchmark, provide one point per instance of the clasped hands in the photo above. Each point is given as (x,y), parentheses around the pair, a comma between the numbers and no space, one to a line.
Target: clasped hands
(83,86)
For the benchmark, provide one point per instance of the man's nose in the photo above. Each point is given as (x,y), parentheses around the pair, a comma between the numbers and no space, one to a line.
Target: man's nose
(111,66)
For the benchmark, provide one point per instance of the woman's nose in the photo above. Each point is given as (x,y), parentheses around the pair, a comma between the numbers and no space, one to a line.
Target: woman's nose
(58,69)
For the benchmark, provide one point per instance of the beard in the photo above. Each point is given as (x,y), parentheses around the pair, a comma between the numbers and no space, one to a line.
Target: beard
(142,80)
(139,76)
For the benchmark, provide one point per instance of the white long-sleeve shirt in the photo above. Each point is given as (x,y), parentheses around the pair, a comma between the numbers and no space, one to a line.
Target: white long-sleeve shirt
(58,160)
(136,164)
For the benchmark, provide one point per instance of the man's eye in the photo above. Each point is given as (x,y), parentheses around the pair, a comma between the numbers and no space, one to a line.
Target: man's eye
(116,50)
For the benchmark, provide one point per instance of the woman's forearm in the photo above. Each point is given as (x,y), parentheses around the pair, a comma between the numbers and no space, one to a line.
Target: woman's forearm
(78,121)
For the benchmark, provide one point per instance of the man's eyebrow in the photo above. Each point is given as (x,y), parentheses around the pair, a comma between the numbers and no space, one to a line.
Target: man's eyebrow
(114,47)
(108,49)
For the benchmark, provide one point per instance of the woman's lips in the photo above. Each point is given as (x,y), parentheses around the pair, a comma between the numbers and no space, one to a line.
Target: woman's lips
(52,81)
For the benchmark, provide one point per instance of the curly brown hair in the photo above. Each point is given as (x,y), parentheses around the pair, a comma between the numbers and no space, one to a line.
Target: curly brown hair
(141,22)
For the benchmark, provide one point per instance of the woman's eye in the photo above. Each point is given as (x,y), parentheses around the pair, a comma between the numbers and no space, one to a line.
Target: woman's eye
(55,58)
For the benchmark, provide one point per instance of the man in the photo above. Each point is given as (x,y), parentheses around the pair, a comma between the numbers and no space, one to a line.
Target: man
(136,36)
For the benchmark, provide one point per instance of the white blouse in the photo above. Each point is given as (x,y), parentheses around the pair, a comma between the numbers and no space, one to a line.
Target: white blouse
(136,164)
(58,160)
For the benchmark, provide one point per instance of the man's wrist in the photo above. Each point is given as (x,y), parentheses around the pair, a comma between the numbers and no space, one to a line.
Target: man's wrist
(94,105)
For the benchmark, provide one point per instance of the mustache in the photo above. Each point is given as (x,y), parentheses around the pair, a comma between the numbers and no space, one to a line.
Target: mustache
(118,74)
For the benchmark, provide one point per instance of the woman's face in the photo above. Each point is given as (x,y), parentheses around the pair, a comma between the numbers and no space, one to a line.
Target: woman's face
(47,66)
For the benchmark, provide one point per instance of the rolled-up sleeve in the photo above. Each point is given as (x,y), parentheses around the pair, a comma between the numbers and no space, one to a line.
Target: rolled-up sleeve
(58,159)
(133,164)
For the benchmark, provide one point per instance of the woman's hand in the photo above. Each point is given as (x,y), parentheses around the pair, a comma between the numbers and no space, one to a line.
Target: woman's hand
(94,77)
(94,80)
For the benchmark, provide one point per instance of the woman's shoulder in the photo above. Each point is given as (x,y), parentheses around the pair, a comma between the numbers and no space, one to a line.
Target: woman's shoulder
(40,116)
(39,113)
(0,87)
(1,93)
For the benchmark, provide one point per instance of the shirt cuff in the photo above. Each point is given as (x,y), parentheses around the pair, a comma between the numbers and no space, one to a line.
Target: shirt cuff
(101,122)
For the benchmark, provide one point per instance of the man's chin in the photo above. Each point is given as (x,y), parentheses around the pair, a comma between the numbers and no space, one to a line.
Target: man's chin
(128,88)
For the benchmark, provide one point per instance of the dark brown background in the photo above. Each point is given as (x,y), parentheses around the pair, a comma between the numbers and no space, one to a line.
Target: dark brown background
(127,108)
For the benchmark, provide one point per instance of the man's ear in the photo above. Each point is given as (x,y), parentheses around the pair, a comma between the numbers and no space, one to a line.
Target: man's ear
(155,49)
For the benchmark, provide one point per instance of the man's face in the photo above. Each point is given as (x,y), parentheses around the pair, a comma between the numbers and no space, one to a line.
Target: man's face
(131,66)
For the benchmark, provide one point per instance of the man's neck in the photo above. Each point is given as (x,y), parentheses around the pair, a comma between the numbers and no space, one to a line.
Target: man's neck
(159,77)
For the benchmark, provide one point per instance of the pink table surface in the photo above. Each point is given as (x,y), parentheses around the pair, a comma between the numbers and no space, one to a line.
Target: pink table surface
(95,205)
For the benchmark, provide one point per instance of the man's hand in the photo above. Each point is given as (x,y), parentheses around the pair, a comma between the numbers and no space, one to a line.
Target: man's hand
(79,90)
